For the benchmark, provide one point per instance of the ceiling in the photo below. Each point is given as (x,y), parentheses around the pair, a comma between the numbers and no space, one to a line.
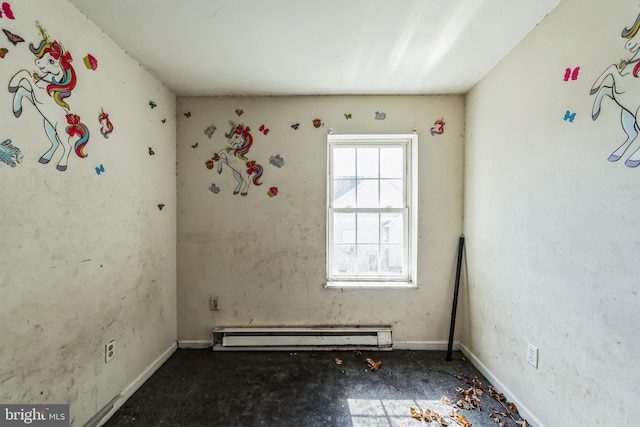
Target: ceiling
(317,47)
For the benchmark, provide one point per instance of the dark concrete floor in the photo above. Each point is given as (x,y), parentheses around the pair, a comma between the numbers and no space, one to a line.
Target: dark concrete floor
(207,388)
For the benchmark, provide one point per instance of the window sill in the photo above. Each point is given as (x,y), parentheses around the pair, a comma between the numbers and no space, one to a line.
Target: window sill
(370,285)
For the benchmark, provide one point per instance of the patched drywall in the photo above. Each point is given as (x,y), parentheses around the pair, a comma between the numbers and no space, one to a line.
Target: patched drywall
(551,225)
(87,255)
(264,257)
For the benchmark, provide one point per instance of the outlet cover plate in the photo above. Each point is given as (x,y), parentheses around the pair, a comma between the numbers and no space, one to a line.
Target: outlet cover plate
(109,351)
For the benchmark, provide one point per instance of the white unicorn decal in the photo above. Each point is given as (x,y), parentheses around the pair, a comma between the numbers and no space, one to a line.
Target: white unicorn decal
(240,140)
(619,83)
(47,90)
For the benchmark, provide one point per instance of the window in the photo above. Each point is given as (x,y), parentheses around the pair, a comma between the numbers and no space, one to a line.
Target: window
(371,210)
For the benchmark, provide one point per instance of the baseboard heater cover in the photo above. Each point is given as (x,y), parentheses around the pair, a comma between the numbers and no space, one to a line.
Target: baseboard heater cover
(302,338)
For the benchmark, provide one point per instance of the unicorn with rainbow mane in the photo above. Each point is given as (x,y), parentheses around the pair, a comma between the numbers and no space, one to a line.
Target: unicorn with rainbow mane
(240,140)
(47,90)
(620,83)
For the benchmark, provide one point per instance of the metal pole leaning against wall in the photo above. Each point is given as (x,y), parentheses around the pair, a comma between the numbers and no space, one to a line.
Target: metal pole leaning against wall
(455,299)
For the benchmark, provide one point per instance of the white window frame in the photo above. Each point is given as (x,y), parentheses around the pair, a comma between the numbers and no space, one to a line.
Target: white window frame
(410,142)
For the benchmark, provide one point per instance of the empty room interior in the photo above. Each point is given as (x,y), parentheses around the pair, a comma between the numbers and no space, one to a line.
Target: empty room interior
(199,176)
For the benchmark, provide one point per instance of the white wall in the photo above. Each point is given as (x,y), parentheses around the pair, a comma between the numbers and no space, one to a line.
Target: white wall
(552,228)
(265,257)
(85,257)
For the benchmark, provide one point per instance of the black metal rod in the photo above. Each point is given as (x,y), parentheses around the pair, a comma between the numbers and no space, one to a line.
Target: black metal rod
(455,299)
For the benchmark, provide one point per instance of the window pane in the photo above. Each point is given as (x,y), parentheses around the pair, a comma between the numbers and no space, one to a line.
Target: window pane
(344,193)
(391,193)
(368,162)
(392,228)
(344,162)
(391,259)
(368,259)
(344,259)
(368,228)
(367,196)
(344,228)
(391,162)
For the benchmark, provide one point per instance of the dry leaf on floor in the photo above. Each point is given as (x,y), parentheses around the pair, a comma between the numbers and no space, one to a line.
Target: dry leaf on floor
(357,353)
(477,383)
(462,420)
(428,415)
(373,365)
(445,400)
(416,413)
(523,423)
(338,361)
(513,407)
(496,394)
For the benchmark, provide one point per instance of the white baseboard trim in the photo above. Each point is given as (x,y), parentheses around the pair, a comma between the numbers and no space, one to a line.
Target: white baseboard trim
(117,403)
(195,344)
(425,345)
(522,409)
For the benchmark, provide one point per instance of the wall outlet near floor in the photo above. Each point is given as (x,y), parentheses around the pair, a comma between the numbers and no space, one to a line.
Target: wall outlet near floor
(109,351)
(213,303)
(532,355)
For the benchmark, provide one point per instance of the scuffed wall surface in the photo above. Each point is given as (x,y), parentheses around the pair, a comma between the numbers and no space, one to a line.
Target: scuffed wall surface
(264,257)
(552,227)
(86,257)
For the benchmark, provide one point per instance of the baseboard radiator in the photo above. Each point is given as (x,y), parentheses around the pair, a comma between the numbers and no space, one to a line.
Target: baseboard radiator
(302,338)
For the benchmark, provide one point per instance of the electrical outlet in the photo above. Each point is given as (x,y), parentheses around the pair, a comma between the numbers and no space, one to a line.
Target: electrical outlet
(532,355)
(213,303)
(109,351)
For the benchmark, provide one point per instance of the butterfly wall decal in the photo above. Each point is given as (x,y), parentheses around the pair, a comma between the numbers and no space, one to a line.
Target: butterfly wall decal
(152,104)
(160,206)
(163,120)
(187,114)
(3,52)
(214,189)
(573,75)
(100,169)
(239,112)
(6,11)
(13,38)
(317,123)
(263,129)
(295,126)
(151,152)
(194,145)
(210,130)
(569,116)
(380,115)
(347,116)
(276,161)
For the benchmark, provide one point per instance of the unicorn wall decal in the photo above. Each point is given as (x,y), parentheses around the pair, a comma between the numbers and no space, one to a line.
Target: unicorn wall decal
(240,140)
(620,82)
(47,90)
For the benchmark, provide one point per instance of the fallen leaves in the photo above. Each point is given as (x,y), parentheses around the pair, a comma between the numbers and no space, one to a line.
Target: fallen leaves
(496,394)
(338,361)
(462,420)
(373,364)
(428,415)
(470,396)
